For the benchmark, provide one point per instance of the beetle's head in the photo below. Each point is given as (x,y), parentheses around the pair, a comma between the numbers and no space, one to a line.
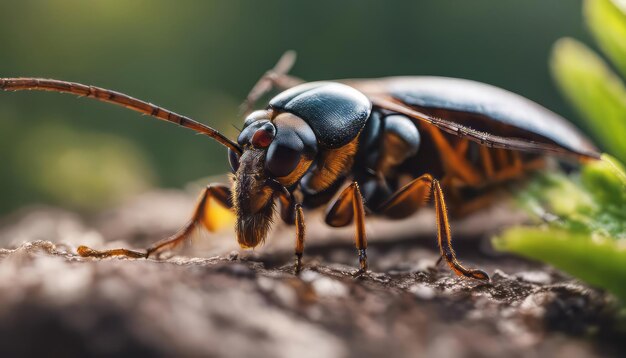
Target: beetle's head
(278,149)
(280,143)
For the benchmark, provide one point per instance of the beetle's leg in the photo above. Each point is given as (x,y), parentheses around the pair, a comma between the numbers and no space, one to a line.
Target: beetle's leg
(291,213)
(413,195)
(277,77)
(454,163)
(300,232)
(462,147)
(450,182)
(201,216)
(502,158)
(348,206)
(444,237)
(487,161)
(509,164)
(408,199)
(497,165)
(517,168)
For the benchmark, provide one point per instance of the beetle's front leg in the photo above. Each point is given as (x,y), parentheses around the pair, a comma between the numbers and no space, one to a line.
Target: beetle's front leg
(348,206)
(201,216)
(291,213)
(300,232)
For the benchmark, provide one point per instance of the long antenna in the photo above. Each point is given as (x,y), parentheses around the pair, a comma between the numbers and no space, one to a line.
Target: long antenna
(117,98)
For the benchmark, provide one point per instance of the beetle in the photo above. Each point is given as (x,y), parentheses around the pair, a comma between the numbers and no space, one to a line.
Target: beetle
(363,146)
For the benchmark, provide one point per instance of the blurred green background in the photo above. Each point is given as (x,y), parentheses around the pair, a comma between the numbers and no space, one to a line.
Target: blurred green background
(200,58)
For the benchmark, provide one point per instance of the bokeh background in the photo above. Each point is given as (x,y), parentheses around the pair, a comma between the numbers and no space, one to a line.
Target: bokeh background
(200,58)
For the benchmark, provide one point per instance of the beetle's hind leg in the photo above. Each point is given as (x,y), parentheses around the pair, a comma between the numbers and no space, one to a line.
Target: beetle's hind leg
(411,197)
(202,215)
(277,77)
(444,238)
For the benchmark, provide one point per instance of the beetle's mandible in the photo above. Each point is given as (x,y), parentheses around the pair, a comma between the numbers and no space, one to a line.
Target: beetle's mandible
(377,146)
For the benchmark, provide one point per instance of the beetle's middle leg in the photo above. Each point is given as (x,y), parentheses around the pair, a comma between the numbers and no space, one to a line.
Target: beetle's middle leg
(349,206)
(201,216)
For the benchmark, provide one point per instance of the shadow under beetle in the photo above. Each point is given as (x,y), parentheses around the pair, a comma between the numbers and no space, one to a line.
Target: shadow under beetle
(365,146)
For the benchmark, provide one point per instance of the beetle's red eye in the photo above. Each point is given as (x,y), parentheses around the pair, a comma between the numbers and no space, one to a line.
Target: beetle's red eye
(264,136)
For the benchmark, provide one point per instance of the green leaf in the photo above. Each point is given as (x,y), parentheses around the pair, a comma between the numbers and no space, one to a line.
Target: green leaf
(600,262)
(595,91)
(606,180)
(586,233)
(607,21)
(588,237)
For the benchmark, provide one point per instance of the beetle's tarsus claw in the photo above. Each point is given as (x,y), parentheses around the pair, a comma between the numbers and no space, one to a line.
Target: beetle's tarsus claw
(297,267)
(439,261)
(85,251)
(363,260)
(362,264)
(359,273)
(479,275)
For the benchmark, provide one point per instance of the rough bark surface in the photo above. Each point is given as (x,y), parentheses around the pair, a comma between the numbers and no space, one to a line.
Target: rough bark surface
(218,301)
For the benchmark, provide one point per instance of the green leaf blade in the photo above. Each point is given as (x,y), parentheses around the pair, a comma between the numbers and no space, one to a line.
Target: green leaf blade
(594,90)
(601,262)
(607,21)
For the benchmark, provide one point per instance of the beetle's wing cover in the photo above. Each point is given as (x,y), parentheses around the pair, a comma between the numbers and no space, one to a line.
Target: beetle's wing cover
(335,112)
(488,109)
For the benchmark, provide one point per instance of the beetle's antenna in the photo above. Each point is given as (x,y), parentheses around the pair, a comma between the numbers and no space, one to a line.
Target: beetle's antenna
(117,98)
